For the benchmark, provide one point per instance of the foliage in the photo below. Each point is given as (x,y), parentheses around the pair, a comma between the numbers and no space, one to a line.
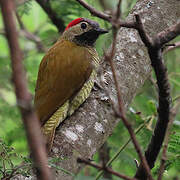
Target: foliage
(12,163)
(13,146)
(25,7)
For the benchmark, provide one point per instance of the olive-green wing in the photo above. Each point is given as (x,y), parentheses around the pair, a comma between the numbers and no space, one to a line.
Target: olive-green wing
(62,73)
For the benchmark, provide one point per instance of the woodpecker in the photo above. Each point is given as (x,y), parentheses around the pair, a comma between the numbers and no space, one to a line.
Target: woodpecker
(66,75)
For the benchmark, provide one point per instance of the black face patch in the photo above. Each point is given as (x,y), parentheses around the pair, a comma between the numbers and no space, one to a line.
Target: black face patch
(87,38)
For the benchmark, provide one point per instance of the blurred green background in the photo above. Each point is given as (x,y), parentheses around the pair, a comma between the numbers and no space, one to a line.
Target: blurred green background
(143,107)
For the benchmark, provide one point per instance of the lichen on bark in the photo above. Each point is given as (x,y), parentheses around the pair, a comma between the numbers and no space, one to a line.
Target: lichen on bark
(132,63)
(133,66)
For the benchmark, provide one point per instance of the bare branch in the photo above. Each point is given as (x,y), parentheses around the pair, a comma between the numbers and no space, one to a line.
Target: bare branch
(94,12)
(121,113)
(30,36)
(114,21)
(140,28)
(30,120)
(57,21)
(176,45)
(167,35)
(133,65)
(155,52)
(109,170)
(118,13)
(104,157)
(122,148)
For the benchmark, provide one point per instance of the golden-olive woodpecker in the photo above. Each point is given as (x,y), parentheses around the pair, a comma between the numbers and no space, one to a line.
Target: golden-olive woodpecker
(66,75)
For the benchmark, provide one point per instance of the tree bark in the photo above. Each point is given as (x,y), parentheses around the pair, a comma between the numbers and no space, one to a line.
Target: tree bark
(23,97)
(84,133)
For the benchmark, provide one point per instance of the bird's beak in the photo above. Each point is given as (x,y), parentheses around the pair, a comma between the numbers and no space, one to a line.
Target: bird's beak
(101,31)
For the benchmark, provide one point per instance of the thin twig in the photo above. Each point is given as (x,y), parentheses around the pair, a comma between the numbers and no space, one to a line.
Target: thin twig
(167,35)
(118,23)
(144,36)
(173,114)
(122,114)
(53,16)
(4,167)
(170,48)
(30,120)
(154,47)
(21,24)
(14,170)
(109,170)
(104,157)
(118,13)
(176,98)
(95,12)
(30,36)
(122,148)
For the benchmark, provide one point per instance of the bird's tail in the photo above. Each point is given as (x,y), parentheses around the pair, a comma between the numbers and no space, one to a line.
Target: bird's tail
(53,122)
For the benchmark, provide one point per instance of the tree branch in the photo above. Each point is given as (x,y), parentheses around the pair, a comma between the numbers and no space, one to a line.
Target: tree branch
(154,47)
(169,48)
(94,12)
(121,110)
(104,157)
(115,156)
(109,170)
(133,66)
(89,127)
(30,120)
(30,36)
(107,17)
(167,35)
(57,21)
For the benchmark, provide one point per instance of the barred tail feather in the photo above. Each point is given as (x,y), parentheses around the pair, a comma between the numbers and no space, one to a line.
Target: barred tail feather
(67,109)
(53,122)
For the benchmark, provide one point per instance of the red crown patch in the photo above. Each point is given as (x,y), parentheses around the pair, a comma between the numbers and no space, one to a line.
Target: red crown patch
(74,22)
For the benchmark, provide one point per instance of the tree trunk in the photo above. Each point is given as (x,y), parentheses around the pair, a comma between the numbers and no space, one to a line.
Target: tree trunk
(84,133)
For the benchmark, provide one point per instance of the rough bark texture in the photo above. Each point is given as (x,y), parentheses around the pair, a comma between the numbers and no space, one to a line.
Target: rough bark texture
(23,97)
(84,133)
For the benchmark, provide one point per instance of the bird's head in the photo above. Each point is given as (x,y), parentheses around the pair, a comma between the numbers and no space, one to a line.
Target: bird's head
(83,32)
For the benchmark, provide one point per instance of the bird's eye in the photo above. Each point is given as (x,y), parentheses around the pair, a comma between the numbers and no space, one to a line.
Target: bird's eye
(83,25)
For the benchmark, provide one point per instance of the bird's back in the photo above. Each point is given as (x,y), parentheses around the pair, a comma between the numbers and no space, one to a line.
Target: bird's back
(62,73)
